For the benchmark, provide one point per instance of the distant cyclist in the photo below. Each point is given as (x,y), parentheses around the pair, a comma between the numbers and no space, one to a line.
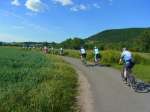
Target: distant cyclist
(127,59)
(61,52)
(83,54)
(52,50)
(45,49)
(96,55)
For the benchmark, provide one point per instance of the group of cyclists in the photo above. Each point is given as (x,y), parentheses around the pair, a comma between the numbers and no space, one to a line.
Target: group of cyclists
(126,58)
(96,53)
(51,50)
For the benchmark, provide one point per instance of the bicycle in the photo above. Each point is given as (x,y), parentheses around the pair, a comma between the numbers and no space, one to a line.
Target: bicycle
(83,59)
(96,59)
(61,53)
(137,85)
(128,78)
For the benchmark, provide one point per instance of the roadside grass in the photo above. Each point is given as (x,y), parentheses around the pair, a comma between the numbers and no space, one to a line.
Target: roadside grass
(111,57)
(72,53)
(142,72)
(34,82)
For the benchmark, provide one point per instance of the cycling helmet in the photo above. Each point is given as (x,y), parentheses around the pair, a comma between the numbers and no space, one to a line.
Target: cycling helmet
(81,47)
(124,49)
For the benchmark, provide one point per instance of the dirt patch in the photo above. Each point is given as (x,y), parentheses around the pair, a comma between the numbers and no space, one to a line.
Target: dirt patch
(85,96)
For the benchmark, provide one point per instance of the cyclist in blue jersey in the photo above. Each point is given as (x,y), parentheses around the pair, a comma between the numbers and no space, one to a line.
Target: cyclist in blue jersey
(127,59)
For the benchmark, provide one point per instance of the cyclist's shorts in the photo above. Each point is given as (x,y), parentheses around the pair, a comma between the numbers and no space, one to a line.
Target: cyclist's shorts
(98,56)
(129,64)
(83,55)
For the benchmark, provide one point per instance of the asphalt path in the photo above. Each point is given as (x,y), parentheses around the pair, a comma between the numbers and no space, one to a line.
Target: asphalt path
(108,91)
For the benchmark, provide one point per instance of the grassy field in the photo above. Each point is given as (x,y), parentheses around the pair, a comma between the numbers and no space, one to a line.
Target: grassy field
(111,57)
(33,82)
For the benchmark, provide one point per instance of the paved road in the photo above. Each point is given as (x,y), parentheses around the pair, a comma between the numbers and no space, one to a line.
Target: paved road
(109,93)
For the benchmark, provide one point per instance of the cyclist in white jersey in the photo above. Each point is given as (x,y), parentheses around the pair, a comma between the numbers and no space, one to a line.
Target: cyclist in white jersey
(96,55)
(83,53)
(61,51)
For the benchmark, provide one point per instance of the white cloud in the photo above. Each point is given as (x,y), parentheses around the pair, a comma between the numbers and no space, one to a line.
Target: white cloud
(75,9)
(64,2)
(17,27)
(15,2)
(80,7)
(36,27)
(24,23)
(35,5)
(30,14)
(110,0)
(11,38)
(96,5)
(11,14)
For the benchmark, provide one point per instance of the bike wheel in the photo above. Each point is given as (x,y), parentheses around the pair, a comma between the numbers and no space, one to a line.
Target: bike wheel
(133,82)
(124,79)
(141,88)
(84,61)
(122,76)
(130,79)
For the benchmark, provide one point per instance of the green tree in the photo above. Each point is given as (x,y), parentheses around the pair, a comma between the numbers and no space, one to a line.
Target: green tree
(144,42)
(74,43)
(1,43)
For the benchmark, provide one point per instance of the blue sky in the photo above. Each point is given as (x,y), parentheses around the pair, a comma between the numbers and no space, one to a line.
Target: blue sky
(57,20)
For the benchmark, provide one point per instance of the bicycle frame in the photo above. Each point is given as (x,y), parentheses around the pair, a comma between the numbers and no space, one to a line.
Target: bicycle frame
(83,59)
(132,82)
(96,60)
(130,79)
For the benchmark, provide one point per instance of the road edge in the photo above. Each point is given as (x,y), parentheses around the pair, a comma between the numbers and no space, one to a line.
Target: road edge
(85,97)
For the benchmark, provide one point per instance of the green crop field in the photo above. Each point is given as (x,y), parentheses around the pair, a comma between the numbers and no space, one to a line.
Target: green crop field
(34,82)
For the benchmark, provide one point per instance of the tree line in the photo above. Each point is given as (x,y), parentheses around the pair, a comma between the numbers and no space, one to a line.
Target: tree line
(136,39)
(140,42)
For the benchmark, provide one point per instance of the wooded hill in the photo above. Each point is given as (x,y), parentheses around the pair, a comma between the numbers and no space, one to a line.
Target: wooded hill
(117,35)
(136,39)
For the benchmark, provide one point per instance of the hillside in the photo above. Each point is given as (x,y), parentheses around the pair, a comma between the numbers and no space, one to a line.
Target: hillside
(136,39)
(117,35)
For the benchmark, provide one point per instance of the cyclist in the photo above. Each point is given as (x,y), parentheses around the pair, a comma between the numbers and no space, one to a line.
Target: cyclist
(52,50)
(96,55)
(61,51)
(45,49)
(83,54)
(126,58)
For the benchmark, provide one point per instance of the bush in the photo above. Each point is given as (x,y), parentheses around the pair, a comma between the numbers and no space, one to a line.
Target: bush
(109,56)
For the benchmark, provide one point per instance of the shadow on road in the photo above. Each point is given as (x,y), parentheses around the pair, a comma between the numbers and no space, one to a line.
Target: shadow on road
(99,65)
(142,87)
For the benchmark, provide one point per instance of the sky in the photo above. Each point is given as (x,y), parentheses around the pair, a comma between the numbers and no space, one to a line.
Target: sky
(57,20)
